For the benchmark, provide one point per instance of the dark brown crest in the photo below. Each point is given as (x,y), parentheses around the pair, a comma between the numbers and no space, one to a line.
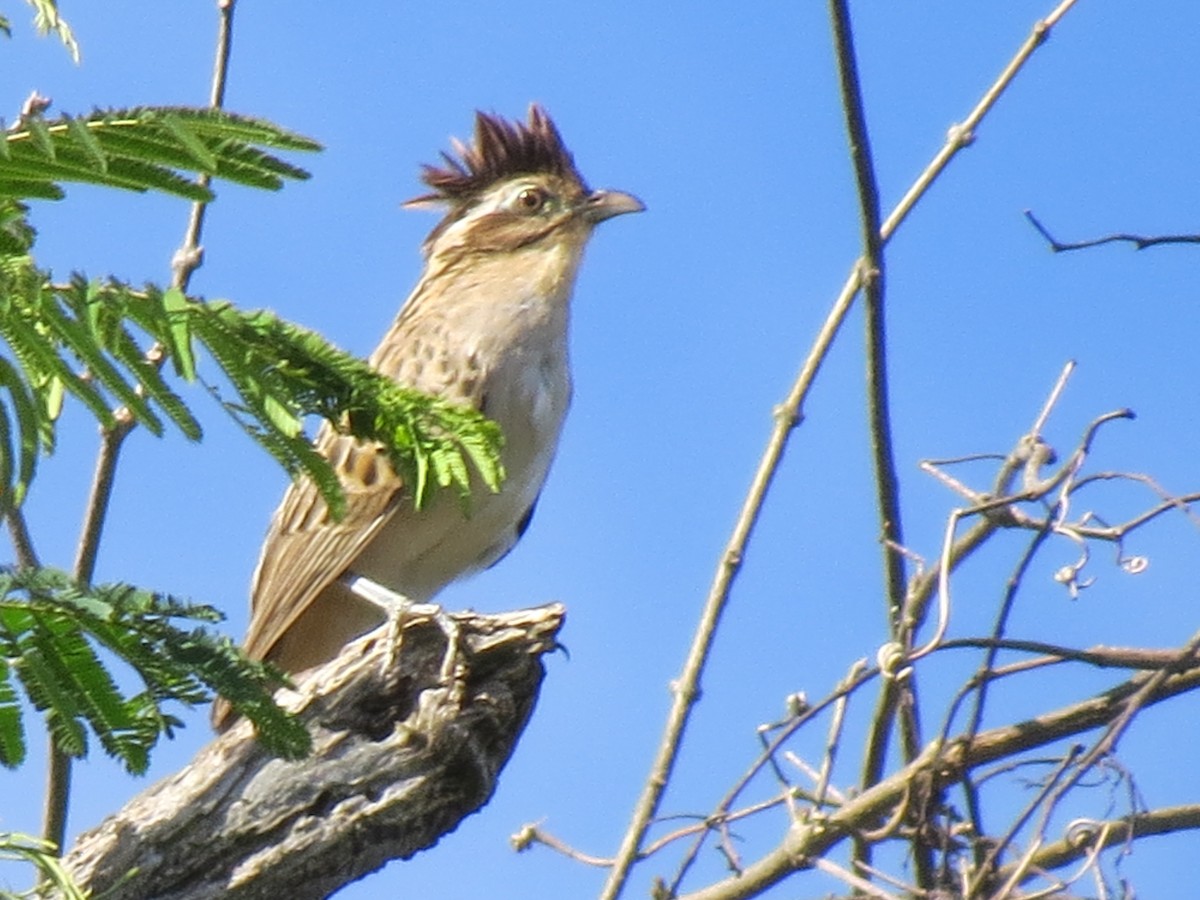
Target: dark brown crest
(500,150)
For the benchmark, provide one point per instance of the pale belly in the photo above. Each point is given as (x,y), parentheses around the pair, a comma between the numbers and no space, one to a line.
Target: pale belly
(417,553)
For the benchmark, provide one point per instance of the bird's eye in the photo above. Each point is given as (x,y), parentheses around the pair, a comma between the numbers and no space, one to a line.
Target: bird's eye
(530,200)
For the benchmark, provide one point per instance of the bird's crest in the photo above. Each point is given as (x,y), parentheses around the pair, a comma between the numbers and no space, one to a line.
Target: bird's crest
(500,150)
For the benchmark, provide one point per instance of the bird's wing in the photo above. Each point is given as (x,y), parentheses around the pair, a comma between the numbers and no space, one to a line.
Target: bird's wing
(306,550)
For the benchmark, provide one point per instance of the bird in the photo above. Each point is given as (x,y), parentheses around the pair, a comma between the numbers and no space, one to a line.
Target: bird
(486,327)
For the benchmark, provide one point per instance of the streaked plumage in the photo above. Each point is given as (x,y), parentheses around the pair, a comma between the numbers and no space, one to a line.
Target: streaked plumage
(486,326)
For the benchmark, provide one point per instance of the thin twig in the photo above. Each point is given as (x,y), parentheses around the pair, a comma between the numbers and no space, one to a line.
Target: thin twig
(856,678)
(896,695)
(1029,454)
(963,134)
(710,822)
(874,289)
(101,493)
(1101,657)
(1104,745)
(984,872)
(834,741)
(1007,602)
(1056,392)
(532,834)
(1140,242)
(190,255)
(18,531)
(862,887)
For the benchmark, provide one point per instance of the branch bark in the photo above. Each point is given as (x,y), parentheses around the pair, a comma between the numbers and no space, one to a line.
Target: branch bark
(406,744)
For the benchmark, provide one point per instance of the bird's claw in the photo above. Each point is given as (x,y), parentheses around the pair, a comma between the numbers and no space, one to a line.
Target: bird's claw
(399,609)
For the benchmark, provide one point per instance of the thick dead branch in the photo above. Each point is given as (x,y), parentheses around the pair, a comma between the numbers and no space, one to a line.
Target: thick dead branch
(406,744)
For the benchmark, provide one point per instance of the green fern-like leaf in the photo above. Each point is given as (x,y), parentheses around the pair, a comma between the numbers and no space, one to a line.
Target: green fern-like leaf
(52,629)
(21,446)
(204,159)
(283,372)
(12,732)
(148,148)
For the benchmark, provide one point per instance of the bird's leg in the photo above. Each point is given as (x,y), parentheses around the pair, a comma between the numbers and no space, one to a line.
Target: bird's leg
(398,609)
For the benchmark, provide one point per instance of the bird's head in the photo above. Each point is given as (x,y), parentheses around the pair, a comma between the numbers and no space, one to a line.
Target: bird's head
(514,187)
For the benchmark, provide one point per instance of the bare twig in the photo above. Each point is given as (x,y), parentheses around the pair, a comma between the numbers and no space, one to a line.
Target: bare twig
(710,822)
(861,886)
(1140,242)
(998,628)
(895,696)
(830,792)
(1000,506)
(101,493)
(963,134)
(1039,424)
(190,254)
(834,741)
(533,834)
(1101,657)
(984,871)
(18,531)
(873,279)
(856,678)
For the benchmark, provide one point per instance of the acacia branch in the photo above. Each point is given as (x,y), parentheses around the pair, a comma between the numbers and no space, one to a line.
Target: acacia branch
(22,541)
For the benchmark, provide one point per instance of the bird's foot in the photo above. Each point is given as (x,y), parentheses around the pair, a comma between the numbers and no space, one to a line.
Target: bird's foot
(399,610)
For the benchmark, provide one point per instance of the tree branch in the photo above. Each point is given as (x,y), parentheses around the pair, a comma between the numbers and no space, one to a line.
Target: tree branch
(944,763)
(1084,837)
(402,753)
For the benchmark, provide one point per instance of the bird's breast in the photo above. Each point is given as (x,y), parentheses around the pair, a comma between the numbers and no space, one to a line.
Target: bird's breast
(526,391)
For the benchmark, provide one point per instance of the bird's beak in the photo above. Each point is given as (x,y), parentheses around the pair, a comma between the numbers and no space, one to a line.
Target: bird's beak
(601,205)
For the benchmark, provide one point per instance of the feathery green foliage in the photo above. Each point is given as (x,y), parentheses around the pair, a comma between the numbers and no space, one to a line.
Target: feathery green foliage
(282,372)
(101,342)
(147,148)
(122,352)
(54,634)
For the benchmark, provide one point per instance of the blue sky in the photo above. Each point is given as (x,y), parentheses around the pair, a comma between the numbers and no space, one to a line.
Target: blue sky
(689,323)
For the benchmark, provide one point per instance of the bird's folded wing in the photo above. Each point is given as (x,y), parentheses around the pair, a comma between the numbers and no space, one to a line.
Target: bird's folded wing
(306,550)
